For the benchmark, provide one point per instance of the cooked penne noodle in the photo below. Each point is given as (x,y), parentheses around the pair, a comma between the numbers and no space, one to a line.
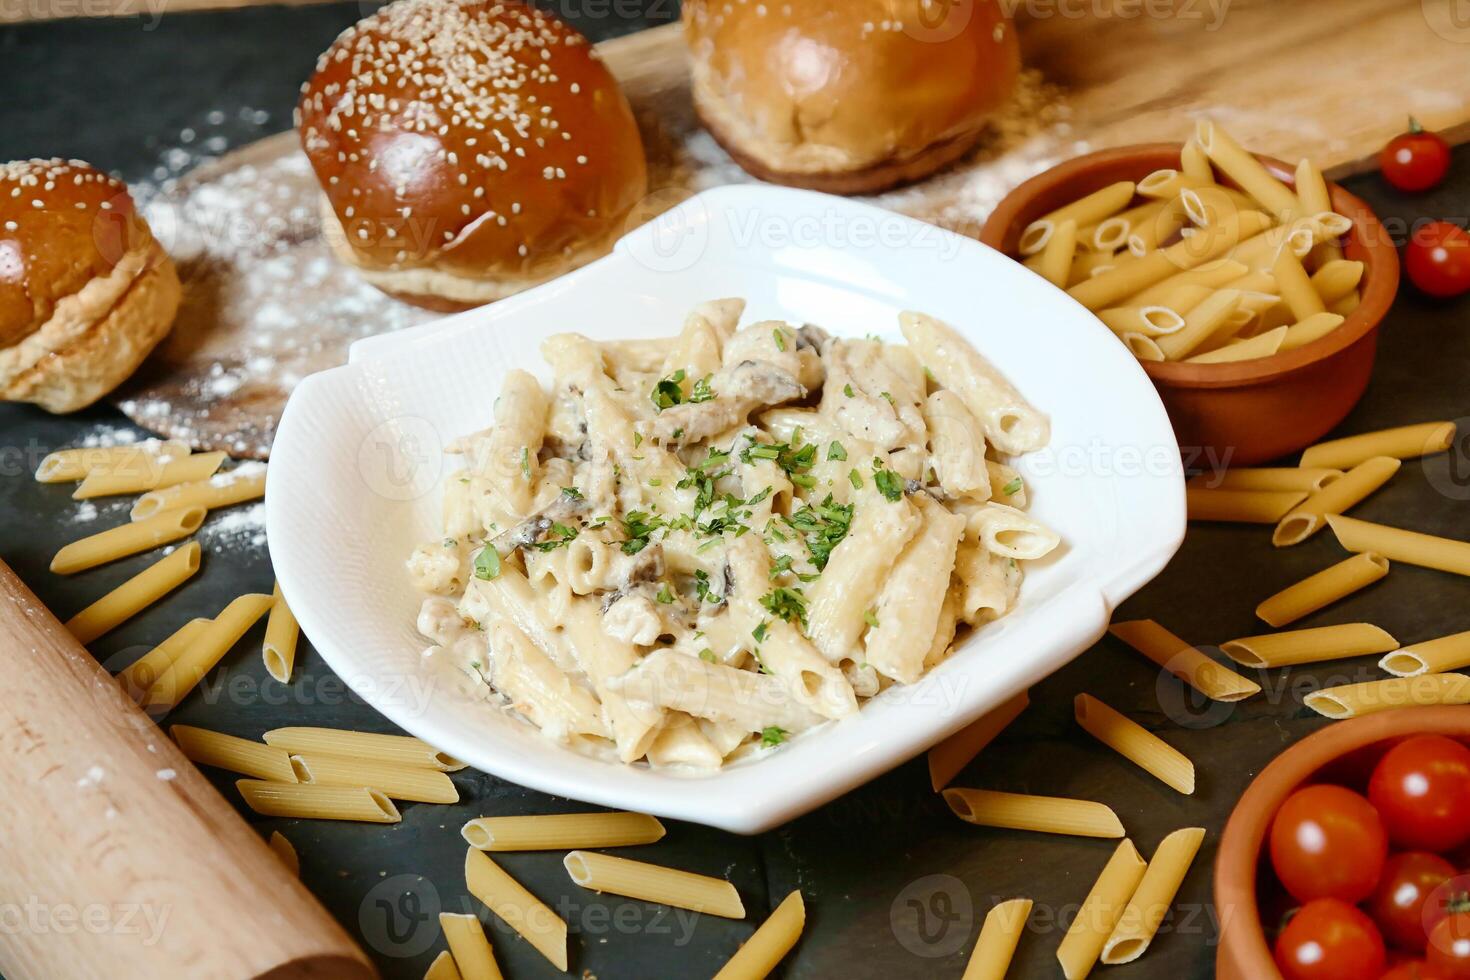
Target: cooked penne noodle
(1356,700)
(397,782)
(1056,257)
(1247,171)
(281,635)
(654,883)
(1200,324)
(127,539)
(136,594)
(1153,896)
(1242,506)
(1336,279)
(1084,211)
(443,968)
(769,945)
(1322,589)
(1404,442)
(1213,680)
(403,750)
(516,907)
(470,946)
(1429,657)
(204,652)
(1310,516)
(999,936)
(1314,327)
(317,802)
(207,748)
(74,464)
(244,482)
(1135,743)
(1210,276)
(148,473)
(1100,911)
(951,755)
(1043,814)
(1396,544)
(1295,286)
(284,850)
(1261,345)
(1304,479)
(1309,646)
(562,831)
(142,673)
(1151,321)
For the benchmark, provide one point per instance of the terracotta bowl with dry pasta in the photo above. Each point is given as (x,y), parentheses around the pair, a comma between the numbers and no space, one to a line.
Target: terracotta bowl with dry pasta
(1253,410)
(1246,892)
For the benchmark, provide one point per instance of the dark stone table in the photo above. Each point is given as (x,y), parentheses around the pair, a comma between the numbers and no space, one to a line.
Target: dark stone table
(895,886)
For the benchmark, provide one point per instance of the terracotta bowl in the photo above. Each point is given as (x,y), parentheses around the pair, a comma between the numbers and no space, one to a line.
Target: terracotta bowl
(1259,409)
(1344,752)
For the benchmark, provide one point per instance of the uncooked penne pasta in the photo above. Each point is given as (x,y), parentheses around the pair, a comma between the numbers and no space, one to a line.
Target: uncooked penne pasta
(1084,211)
(148,473)
(1157,229)
(1143,347)
(470,946)
(1112,233)
(999,936)
(654,883)
(1056,257)
(317,802)
(1195,162)
(443,968)
(1322,589)
(1314,327)
(1200,324)
(136,594)
(1305,479)
(206,748)
(1336,279)
(516,907)
(1261,345)
(142,673)
(770,943)
(1355,700)
(1211,275)
(417,784)
(201,655)
(562,831)
(1135,743)
(1044,814)
(284,850)
(128,539)
(1155,893)
(1309,646)
(403,750)
(1100,911)
(951,755)
(244,482)
(281,634)
(1310,516)
(1396,544)
(1241,506)
(1429,657)
(1213,680)
(1247,171)
(1295,286)
(1151,321)
(1404,442)
(65,465)
(1165,184)
(1207,205)
(1311,190)
(1345,306)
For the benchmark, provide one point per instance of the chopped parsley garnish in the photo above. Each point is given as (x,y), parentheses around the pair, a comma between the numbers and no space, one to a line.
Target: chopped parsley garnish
(637,527)
(702,589)
(655,482)
(487,563)
(667,393)
(772,736)
(787,604)
(836,450)
(780,565)
(886,397)
(889,483)
(664,595)
(708,656)
(870,617)
(558,536)
(847,390)
(822,527)
(637,438)
(526,462)
(760,637)
(855,478)
(701,391)
(1012,488)
(571,493)
(780,339)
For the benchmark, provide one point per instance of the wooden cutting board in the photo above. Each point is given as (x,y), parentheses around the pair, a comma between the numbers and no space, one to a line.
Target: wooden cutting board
(265,303)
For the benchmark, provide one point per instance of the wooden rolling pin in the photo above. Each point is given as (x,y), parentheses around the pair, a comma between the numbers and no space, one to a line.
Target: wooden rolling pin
(117,857)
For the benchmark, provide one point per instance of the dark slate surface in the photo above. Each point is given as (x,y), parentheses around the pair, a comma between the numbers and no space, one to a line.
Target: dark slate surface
(895,886)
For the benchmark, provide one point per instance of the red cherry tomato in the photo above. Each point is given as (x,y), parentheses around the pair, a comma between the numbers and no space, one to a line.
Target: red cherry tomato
(1413,970)
(1330,940)
(1328,842)
(1421,789)
(1415,160)
(1397,905)
(1449,947)
(1437,259)
(1448,897)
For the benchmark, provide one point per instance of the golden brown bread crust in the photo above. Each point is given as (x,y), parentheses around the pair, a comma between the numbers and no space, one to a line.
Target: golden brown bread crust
(852,97)
(482,140)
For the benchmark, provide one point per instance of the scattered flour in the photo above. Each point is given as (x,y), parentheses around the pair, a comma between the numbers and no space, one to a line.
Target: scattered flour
(92,778)
(237,528)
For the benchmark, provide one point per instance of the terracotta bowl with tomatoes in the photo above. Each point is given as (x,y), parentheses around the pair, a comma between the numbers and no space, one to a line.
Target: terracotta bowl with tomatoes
(1348,857)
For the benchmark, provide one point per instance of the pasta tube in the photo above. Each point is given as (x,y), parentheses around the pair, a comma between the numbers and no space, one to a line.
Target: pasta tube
(136,594)
(1305,479)
(1200,324)
(562,831)
(999,936)
(1429,657)
(1261,345)
(951,755)
(1336,279)
(207,748)
(1311,189)
(404,750)
(1404,442)
(148,473)
(1248,506)
(1396,544)
(770,943)
(1211,275)
(654,883)
(317,802)
(1322,589)
(1100,912)
(1155,893)
(467,941)
(128,539)
(1056,257)
(284,850)
(516,907)
(142,673)
(397,782)
(1135,743)
(1151,321)
(1083,211)
(213,642)
(1044,814)
(244,482)
(1310,516)
(1309,646)
(1112,233)
(65,465)
(1213,680)
(1296,287)
(443,968)
(1247,171)
(281,633)
(1314,327)
(1355,700)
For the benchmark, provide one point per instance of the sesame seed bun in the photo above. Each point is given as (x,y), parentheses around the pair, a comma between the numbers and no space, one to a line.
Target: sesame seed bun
(468,150)
(85,291)
(849,98)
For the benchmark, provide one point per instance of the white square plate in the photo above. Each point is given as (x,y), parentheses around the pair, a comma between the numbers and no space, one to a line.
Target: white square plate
(357,467)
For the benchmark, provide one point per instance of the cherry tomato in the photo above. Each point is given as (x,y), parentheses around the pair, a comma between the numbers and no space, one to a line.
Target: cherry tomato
(1398,904)
(1413,970)
(1421,789)
(1328,842)
(1448,897)
(1449,946)
(1415,160)
(1437,259)
(1330,940)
